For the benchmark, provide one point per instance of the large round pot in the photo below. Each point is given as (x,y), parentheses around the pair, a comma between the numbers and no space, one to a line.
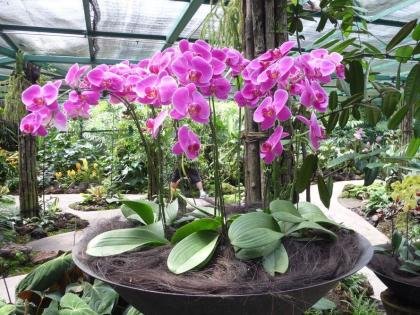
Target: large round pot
(406,292)
(289,302)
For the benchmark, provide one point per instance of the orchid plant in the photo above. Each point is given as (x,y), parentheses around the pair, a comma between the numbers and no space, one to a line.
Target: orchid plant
(181,84)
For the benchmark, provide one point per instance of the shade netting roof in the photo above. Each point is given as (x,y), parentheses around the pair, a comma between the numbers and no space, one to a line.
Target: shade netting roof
(57,33)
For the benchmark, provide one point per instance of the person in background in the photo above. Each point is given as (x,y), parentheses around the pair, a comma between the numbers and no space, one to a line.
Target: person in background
(193,176)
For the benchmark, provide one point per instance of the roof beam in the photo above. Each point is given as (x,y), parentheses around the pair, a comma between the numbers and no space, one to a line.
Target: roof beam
(9,42)
(179,26)
(7,52)
(70,59)
(6,60)
(86,10)
(68,31)
(398,6)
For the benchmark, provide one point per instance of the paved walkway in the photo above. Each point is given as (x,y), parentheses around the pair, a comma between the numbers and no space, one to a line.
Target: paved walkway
(337,212)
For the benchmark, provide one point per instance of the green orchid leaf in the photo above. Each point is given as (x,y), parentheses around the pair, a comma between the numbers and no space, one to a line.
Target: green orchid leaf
(171,212)
(309,225)
(251,253)
(277,261)
(122,240)
(313,213)
(287,217)
(145,209)
(397,117)
(413,147)
(195,226)
(255,238)
(192,251)
(283,206)
(411,91)
(251,221)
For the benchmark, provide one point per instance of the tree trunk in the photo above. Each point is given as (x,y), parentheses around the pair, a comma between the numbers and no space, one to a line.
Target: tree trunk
(265,28)
(28,192)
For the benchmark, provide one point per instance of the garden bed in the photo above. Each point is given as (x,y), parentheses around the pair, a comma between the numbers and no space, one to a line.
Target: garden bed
(94,206)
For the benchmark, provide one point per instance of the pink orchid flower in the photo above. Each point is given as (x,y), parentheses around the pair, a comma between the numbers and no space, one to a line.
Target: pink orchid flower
(73,75)
(36,97)
(280,69)
(79,103)
(192,69)
(188,143)
(102,79)
(273,147)
(269,110)
(159,62)
(218,87)
(314,95)
(153,124)
(188,101)
(251,93)
(316,131)
(156,90)
(32,124)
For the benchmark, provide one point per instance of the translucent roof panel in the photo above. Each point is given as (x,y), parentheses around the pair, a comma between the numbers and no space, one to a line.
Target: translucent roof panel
(193,28)
(50,44)
(155,17)
(376,9)
(127,49)
(405,14)
(58,13)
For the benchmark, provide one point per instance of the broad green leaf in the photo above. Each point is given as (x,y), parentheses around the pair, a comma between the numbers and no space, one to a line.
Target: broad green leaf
(193,251)
(251,253)
(155,228)
(100,297)
(130,310)
(47,274)
(308,225)
(52,309)
(403,53)
(305,172)
(413,147)
(171,212)
(195,226)
(412,90)
(356,77)
(390,100)
(72,304)
(283,206)
(144,209)
(249,221)
(207,211)
(370,175)
(313,213)
(397,117)
(332,122)
(356,98)
(416,33)
(402,33)
(344,118)
(416,50)
(372,114)
(122,240)
(325,190)
(130,215)
(256,238)
(277,261)
(372,49)
(7,309)
(333,100)
(396,240)
(324,305)
(287,217)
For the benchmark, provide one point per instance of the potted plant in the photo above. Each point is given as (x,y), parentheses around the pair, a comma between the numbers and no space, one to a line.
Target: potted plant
(285,256)
(398,264)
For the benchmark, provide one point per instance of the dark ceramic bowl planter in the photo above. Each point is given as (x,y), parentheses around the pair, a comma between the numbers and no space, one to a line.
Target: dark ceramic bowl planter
(294,301)
(407,293)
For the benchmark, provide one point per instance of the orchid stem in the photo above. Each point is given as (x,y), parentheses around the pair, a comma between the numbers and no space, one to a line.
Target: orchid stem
(219,202)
